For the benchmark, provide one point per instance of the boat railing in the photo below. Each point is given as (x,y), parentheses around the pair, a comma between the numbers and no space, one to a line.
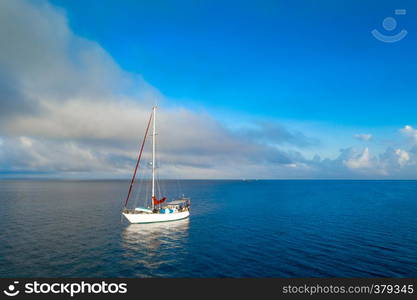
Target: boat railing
(133,211)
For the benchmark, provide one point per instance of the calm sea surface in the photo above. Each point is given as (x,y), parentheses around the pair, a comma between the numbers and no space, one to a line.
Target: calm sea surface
(237,229)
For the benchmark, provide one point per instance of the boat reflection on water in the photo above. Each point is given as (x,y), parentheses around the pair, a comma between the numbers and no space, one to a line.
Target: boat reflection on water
(155,234)
(148,247)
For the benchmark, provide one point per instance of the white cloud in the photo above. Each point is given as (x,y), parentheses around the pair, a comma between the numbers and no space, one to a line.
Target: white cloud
(363,136)
(403,157)
(398,161)
(359,161)
(410,132)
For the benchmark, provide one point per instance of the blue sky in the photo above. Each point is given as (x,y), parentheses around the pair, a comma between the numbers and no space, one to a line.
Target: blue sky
(302,60)
(301,85)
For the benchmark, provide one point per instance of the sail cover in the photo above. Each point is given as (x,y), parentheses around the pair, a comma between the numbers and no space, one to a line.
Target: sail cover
(156,201)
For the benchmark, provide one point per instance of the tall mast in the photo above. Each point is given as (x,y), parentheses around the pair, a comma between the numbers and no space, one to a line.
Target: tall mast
(153,155)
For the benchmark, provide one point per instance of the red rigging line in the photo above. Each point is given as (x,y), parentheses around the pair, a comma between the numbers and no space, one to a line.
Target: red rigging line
(138,161)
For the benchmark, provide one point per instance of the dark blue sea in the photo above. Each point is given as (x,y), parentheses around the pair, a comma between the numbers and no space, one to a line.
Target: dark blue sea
(236,229)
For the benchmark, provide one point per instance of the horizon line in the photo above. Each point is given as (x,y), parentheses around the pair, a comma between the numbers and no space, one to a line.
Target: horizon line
(206,179)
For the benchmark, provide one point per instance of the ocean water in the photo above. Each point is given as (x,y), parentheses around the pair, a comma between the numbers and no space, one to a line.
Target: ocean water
(236,229)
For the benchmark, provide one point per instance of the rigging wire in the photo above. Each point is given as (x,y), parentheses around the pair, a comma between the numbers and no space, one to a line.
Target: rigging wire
(138,161)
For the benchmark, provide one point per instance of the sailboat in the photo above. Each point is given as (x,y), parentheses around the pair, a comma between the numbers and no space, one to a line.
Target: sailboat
(159,210)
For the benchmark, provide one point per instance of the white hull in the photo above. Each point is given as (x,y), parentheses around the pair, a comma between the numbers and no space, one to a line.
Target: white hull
(154,218)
